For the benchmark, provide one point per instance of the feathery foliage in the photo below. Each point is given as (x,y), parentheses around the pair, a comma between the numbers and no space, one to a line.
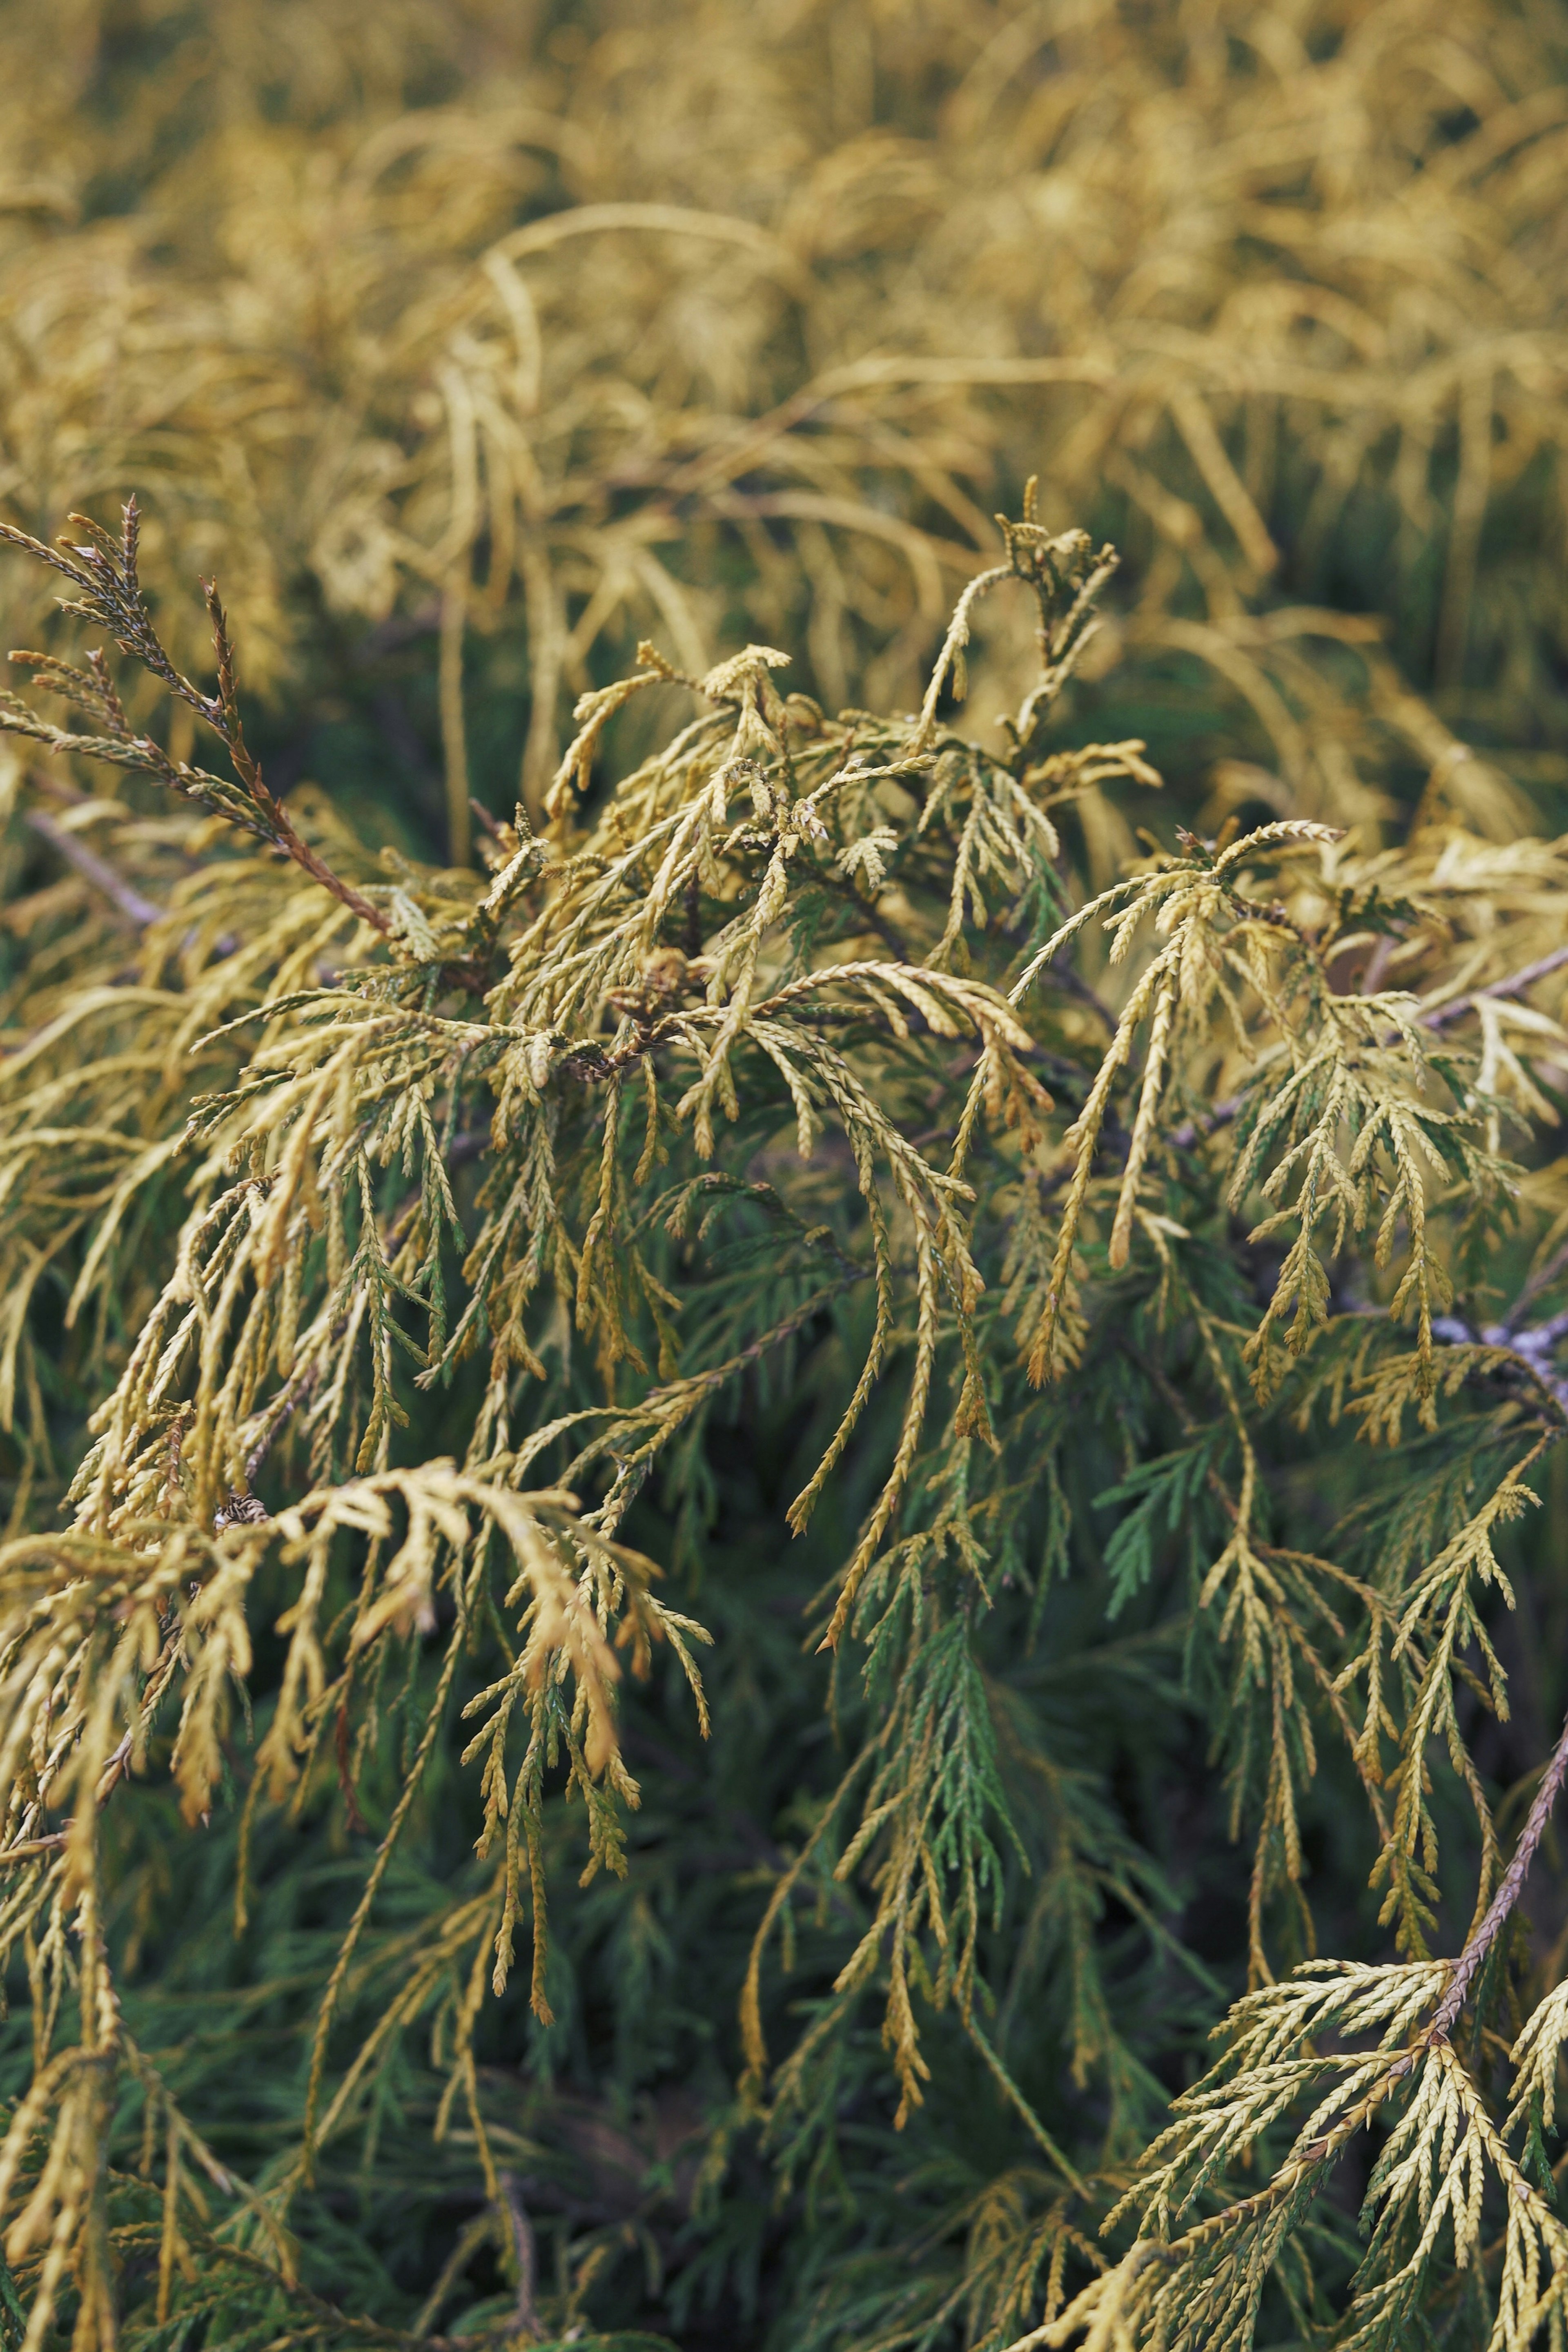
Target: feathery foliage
(471,344)
(718,1521)
(770,1087)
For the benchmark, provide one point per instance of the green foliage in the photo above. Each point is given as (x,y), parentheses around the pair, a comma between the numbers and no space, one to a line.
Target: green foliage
(723,1525)
(782,1141)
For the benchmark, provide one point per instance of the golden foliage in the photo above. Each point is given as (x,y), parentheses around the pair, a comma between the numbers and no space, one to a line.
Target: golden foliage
(608,359)
(739,322)
(865,911)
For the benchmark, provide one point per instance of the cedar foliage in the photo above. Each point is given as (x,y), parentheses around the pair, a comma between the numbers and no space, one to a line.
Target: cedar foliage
(470,342)
(716,1534)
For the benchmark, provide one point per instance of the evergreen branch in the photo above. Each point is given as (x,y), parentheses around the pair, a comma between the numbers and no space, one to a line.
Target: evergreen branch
(106,575)
(1435,1017)
(1036,2129)
(1471,1960)
(699,1120)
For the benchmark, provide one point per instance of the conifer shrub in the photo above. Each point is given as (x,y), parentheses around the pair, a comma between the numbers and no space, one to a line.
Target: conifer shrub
(764,1573)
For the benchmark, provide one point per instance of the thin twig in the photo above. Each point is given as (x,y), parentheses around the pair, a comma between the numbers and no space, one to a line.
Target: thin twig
(1194,1131)
(139,909)
(116,1769)
(284,1406)
(1541,1279)
(31,1849)
(118,1766)
(1440,1016)
(523,2240)
(97,870)
(1065,974)
(1534,1345)
(1514,985)
(870,915)
(1507,1893)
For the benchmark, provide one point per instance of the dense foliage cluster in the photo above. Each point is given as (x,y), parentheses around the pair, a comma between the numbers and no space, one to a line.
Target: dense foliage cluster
(754,1150)
(782,1496)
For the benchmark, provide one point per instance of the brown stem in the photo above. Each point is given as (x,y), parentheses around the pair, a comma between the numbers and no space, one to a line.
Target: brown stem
(141,911)
(284,1406)
(1507,1896)
(114,1771)
(1193,1131)
(31,1849)
(305,856)
(523,2240)
(118,1764)
(1441,1016)
(357,1822)
(1541,1279)
(96,870)
(871,916)
(1514,985)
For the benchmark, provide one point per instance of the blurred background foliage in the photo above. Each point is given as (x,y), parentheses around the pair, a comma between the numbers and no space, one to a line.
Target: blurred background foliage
(467,345)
